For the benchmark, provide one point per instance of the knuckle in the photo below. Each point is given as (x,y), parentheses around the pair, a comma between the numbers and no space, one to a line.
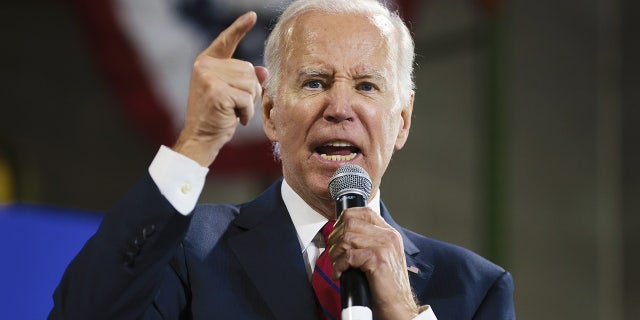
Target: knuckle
(348,221)
(223,103)
(199,64)
(342,246)
(372,260)
(347,237)
(245,101)
(348,256)
(379,256)
(247,68)
(396,236)
(392,235)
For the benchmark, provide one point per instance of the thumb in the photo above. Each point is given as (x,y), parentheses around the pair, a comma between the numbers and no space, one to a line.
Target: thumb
(225,44)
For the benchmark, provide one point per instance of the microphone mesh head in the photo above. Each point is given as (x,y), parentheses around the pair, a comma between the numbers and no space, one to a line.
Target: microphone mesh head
(350,178)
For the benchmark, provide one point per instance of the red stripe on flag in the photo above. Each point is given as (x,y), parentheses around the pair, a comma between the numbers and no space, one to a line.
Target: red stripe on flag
(119,64)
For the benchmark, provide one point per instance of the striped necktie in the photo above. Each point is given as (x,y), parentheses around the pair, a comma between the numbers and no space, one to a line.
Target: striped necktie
(327,291)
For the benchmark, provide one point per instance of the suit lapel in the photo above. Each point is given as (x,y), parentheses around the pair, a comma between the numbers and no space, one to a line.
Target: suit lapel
(269,251)
(419,270)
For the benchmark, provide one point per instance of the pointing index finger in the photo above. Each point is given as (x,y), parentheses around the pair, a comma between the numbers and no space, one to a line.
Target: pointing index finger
(227,41)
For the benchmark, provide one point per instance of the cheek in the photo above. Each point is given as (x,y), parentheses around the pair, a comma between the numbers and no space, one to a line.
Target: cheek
(281,117)
(391,129)
(290,125)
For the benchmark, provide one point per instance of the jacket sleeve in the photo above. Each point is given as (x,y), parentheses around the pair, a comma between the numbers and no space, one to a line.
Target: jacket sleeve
(122,268)
(498,302)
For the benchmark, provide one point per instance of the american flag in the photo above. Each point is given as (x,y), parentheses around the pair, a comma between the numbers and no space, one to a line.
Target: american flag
(146,48)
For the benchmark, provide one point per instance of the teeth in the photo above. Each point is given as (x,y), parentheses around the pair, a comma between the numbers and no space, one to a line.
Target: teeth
(339,144)
(338,157)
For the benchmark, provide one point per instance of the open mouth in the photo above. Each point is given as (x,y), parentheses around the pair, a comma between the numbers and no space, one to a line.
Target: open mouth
(338,151)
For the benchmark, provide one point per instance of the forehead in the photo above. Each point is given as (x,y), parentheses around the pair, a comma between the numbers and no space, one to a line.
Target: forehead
(352,41)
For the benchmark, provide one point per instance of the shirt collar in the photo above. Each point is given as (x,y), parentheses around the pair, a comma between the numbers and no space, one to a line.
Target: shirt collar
(307,221)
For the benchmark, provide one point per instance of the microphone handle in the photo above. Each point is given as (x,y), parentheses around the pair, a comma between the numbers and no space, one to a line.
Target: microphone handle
(354,286)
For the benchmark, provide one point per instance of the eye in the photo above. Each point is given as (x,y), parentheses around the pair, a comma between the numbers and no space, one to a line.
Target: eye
(366,86)
(313,84)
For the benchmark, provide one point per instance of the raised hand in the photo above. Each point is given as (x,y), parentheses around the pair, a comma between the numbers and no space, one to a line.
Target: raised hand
(223,92)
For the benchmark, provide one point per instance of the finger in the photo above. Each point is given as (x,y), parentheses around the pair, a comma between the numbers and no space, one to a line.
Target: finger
(356,220)
(249,82)
(244,105)
(353,258)
(262,73)
(377,238)
(364,214)
(367,258)
(237,74)
(225,44)
(356,234)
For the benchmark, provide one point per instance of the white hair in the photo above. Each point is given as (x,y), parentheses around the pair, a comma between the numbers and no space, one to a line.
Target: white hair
(400,42)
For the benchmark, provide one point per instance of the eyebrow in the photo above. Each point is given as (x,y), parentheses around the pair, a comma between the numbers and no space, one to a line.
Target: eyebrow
(372,74)
(318,72)
(306,72)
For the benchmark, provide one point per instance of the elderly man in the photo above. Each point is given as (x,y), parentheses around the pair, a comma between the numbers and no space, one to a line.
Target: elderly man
(337,90)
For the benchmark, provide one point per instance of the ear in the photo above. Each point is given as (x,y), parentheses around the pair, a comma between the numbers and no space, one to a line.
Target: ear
(405,123)
(267,120)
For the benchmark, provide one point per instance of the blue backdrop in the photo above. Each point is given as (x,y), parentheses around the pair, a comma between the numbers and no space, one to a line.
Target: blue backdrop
(36,245)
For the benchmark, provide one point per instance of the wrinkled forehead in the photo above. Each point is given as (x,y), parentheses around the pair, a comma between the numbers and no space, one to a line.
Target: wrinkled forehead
(348,23)
(341,34)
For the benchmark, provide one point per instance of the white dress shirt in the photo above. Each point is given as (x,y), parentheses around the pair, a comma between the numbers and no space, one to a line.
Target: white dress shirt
(181,179)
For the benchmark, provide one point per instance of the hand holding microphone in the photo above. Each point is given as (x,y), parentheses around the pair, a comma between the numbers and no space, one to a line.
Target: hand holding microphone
(350,186)
(367,253)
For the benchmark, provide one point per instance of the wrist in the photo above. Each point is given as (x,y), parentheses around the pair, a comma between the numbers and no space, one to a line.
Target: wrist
(202,150)
(401,311)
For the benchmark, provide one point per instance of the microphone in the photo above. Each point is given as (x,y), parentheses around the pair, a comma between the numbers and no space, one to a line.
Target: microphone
(350,186)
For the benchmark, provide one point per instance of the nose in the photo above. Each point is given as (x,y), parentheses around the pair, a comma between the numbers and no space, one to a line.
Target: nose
(339,104)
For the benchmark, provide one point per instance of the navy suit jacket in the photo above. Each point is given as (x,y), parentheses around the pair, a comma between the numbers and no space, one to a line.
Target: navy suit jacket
(244,262)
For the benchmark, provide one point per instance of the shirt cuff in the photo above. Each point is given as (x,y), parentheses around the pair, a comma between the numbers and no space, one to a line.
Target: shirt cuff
(426,314)
(179,179)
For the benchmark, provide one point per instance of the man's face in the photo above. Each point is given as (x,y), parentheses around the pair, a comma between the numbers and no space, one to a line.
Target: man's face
(336,103)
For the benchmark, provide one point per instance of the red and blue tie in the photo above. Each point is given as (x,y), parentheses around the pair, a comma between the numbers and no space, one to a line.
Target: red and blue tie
(327,291)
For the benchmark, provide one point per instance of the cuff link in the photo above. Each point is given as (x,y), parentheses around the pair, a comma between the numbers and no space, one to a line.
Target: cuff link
(186,188)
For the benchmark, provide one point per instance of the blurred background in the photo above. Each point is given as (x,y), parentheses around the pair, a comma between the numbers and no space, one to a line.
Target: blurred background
(524,144)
